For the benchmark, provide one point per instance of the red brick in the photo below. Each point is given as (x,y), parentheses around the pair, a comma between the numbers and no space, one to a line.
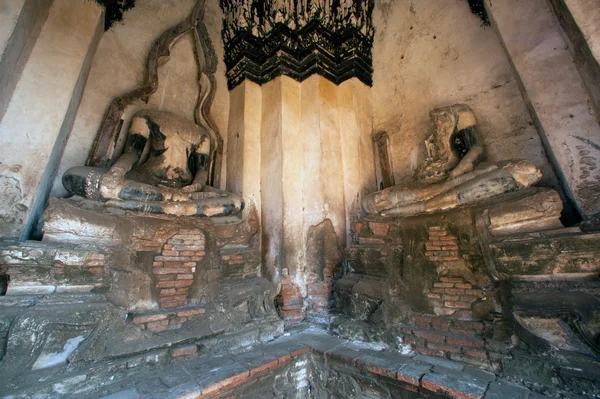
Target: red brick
(173,264)
(191,312)
(300,352)
(454,291)
(164,277)
(436,228)
(475,353)
(448,238)
(158,328)
(170,253)
(409,339)
(149,318)
(91,263)
(464,285)
(174,304)
(434,296)
(263,368)
(158,323)
(223,384)
(184,351)
(452,247)
(443,347)
(431,247)
(440,324)
(379,229)
(452,279)
(358,228)
(178,283)
(438,290)
(285,358)
(443,285)
(173,291)
(157,264)
(457,305)
(167,246)
(477,293)
(433,387)
(190,264)
(464,342)
(423,322)
(185,277)
(429,336)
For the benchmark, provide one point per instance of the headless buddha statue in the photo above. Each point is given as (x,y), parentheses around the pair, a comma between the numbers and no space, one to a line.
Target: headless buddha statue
(163,169)
(452,174)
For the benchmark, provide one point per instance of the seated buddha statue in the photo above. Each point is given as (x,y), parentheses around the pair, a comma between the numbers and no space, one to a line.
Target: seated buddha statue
(164,169)
(453,174)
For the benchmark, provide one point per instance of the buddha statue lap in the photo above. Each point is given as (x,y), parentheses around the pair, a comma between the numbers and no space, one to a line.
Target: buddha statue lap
(163,169)
(453,174)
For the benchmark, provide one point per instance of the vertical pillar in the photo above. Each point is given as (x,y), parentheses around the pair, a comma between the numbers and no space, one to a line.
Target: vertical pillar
(316,152)
(41,112)
(555,94)
(244,143)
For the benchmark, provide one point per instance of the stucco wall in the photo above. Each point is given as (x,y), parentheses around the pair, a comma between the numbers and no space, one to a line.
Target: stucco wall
(435,53)
(119,66)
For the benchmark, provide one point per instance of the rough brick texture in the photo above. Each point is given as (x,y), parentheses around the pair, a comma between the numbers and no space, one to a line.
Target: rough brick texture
(174,269)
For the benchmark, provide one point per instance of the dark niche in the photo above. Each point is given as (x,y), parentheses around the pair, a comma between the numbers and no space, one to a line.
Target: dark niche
(478,8)
(265,39)
(115,10)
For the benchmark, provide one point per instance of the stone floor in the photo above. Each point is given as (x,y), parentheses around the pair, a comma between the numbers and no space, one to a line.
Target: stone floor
(291,367)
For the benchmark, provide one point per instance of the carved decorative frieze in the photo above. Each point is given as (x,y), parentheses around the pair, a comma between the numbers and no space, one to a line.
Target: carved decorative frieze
(265,39)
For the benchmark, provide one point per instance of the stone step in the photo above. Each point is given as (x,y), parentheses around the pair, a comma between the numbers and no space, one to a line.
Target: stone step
(164,320)
(245,374)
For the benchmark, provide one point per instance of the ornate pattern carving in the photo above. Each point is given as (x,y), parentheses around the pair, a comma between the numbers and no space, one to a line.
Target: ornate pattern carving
(297,38)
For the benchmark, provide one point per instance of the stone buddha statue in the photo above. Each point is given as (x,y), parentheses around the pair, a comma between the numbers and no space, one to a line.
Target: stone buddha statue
(163,169)
(453,174)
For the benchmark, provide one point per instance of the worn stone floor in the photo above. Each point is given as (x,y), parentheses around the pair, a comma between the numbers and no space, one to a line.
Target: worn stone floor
(303,363)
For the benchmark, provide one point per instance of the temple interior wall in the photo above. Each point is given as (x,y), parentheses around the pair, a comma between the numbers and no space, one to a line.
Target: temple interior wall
(437,53)
(120,66)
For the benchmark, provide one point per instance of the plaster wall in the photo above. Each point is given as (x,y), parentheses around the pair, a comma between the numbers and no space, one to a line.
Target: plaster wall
(20,24)
(580,22)
(41,111)
(434,53)
(555,93)
(304,149)
(120,66)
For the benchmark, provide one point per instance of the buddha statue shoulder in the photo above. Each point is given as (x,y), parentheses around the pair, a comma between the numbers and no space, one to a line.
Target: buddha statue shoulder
(163,169)
(453,174)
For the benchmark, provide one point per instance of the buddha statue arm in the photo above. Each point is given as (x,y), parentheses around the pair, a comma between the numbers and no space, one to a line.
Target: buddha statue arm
(202,164)
(468,162)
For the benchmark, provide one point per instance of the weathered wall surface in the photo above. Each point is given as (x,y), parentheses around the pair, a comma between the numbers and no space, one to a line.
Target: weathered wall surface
(429,54)
(41,112)
(120,66)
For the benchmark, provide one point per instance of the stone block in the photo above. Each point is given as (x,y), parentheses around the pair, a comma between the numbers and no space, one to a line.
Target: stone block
(412,372)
